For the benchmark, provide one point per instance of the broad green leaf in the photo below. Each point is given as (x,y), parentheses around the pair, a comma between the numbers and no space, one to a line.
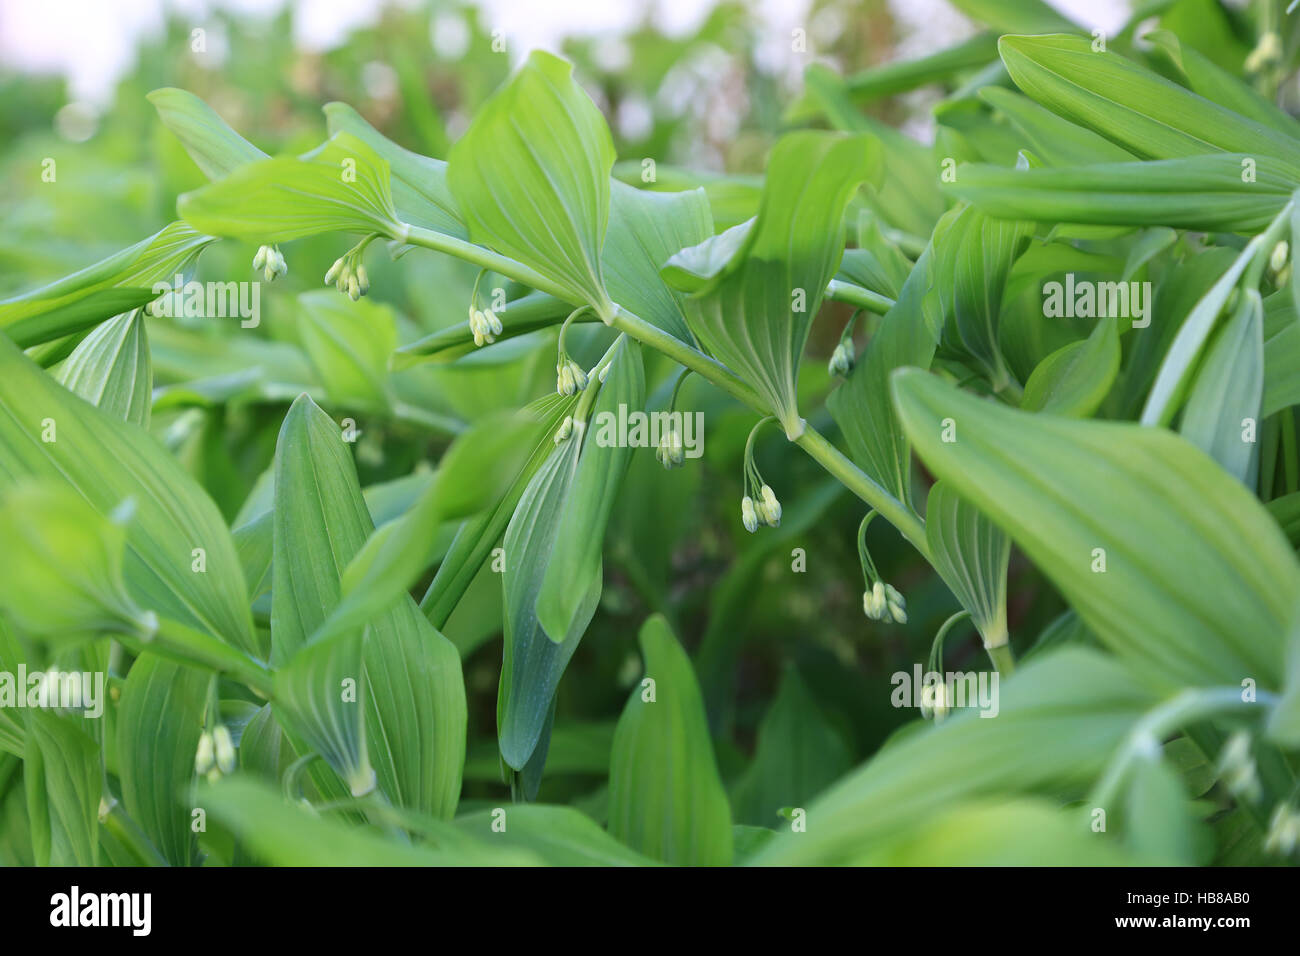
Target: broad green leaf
(799,753)
(1184,353)
(907,336)
(561,836)
(756,316)
(1057,141)
(1075,379)
(531,176)
(215,148)
(1223,402)
(700,267)
(111,369)
(477,537)
(1020,832)
(281,834)
(1198,192)
(575,558)
(1059,719)
(419,183)
(665,796)
(473,474)
(533,663)
(1205,78)
(907,197)
(1197,578)
(1157,819)
(1131,106)
(160,718)
(1016,16)
(971,554)
(408,695)
(645,230)
(64,782)
(342,186)
(348,344)
(120,283)
(61,570)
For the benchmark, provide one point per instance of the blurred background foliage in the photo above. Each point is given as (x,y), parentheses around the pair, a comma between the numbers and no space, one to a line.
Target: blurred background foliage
(768,641)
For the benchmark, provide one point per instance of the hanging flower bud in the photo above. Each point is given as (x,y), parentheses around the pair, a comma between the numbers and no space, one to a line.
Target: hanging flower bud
(259,260)
(493,323)
(841,362)
(748,515)
(204,757)
(1278,258)
(895,604)
(670,452)
(335,271)
(564,384)
(224,749)
(771,505)
(271,262)
(363,279)
(1237,768)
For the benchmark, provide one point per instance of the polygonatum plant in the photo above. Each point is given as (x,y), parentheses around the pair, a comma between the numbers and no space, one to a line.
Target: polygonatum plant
(1056,352)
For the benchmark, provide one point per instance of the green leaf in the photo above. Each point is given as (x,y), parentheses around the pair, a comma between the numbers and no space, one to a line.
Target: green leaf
(407,715)
(531,175)
(645,230)
(1060,717)
(755,316)
(160,718)
(281,834)
(1131,106)
(1197,574)
(215,148)
(111,369)
(666,799)
(575,557)
(120,283)
(419,183)
(561,836)
(971,554)
(1057,141)
(63,777)
(348,344)
(108,461)
(1075,379)
(1157,819)
(1225,396)
(1198,192)
(1016,16)
(798,755)
(341,186)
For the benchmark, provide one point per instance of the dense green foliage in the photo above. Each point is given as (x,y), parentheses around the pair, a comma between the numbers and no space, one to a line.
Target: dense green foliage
(367,582)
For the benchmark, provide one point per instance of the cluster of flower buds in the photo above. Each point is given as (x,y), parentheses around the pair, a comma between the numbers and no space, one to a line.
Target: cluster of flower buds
(271,262)
(569,376)
(670,451)
(841,362)
(1279,263)
(565,430)
(348,275)
(1237,768)
(934,701)
(766,510)
(884,603)
(485,325)
(216,753)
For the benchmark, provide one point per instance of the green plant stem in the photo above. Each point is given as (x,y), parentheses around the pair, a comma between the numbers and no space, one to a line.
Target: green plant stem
(1003,659)
(857,295)
(811,441)
(1147,735)
(188,646)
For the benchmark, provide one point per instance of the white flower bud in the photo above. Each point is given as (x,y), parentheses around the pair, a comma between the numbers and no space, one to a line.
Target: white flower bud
(771,507)
(335,272)
(493,323)
(363,280)
(564,380)
(579,376)
(748,515)
(1283,831)
(224,748)
(841,362)
(1278,259)
(565,429)
(259,260)
(204,759)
